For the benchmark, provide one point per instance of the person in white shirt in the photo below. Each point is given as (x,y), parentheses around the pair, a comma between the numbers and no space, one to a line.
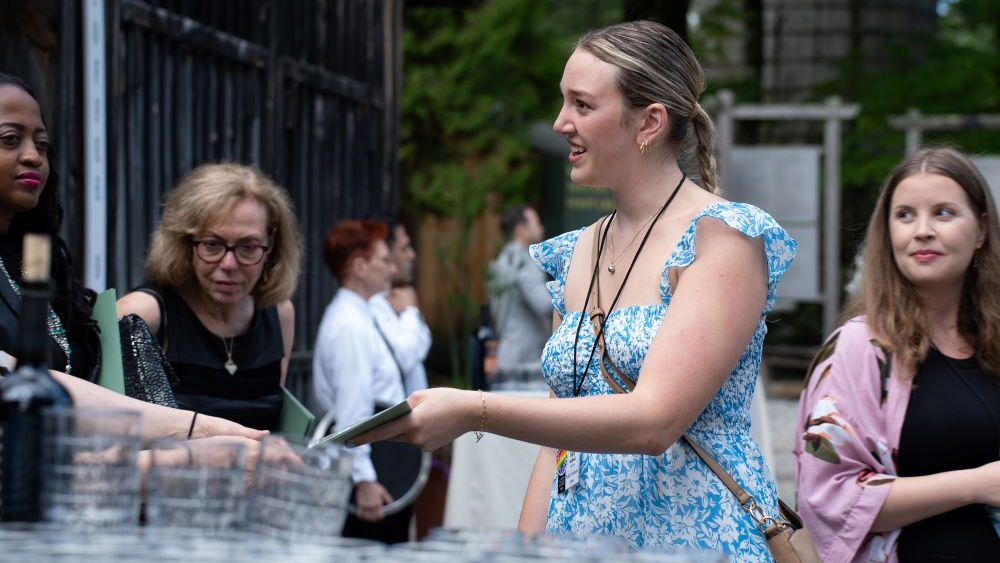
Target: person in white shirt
(397,315)
(352,371)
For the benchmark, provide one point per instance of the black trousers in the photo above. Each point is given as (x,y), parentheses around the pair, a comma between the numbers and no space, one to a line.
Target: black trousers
(392,529)
(397,466)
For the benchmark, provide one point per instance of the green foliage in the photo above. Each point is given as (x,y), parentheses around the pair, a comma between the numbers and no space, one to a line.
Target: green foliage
(473,82)
(954,71)
(716,24)
(973,23)
(932,73)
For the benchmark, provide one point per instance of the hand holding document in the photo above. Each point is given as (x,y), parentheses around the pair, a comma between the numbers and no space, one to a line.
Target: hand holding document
(392,413)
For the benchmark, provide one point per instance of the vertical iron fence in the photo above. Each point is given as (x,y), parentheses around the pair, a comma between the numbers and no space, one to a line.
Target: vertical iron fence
(307,90)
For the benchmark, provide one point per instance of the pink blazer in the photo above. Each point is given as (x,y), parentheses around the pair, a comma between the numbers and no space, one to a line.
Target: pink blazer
(850,415)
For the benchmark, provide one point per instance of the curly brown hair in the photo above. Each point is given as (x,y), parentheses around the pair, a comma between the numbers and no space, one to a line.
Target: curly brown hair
(204,195)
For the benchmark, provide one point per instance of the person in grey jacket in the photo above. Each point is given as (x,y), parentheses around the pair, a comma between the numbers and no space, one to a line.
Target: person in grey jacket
(520,302)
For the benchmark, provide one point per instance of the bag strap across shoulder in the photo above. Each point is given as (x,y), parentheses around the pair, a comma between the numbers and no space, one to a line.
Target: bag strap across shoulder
(787,539)
(395,360)
(769,525)
(597,316)
(727,480)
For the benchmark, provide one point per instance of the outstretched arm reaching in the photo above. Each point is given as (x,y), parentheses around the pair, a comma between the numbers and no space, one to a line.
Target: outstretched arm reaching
(714,311)
(157,421)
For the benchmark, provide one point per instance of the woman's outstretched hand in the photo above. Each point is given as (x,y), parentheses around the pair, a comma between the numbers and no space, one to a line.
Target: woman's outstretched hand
(205,457)
(438,416)
(207,426)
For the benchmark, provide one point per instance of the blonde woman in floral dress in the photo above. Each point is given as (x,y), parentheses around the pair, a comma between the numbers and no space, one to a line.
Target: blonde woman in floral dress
(687,279)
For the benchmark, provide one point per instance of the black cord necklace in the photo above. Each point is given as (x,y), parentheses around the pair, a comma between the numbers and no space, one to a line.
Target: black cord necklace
(577,388)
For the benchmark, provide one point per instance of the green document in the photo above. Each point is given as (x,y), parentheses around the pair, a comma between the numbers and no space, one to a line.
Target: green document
(106,314)
(296,420)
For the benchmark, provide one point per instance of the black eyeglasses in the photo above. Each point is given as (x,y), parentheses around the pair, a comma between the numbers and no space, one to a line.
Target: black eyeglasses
(246,253)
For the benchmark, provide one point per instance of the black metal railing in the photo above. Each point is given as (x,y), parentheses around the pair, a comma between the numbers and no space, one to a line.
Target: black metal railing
(307,90)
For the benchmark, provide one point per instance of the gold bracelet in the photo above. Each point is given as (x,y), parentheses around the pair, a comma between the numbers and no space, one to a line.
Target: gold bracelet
(482,419)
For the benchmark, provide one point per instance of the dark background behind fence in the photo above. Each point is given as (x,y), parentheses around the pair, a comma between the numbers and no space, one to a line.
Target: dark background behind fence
(307,90)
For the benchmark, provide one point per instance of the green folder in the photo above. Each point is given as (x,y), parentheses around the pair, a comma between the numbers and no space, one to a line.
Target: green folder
(106,314)
(296,420)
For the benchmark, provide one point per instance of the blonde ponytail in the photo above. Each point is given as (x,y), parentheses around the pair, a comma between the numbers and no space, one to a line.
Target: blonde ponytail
(704,132)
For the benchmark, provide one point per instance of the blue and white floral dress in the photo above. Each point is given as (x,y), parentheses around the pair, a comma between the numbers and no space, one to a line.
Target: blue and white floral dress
(672,500)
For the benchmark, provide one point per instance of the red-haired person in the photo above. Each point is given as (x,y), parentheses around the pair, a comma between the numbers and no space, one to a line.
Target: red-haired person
(351,373)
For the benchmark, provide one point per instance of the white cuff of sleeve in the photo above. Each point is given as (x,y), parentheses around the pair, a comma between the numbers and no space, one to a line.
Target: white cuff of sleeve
(363,469)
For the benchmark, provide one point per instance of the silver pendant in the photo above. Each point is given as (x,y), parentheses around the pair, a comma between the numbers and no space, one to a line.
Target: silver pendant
(230,366)
(611,268)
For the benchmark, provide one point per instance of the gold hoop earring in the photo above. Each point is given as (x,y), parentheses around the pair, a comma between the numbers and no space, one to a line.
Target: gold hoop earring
(644,147)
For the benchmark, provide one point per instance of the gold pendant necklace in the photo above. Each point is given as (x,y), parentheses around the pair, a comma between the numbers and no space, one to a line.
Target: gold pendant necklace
(611,243)
(230,365)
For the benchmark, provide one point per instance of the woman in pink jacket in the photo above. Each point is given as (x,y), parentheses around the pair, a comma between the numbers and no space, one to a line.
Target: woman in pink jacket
(900,418)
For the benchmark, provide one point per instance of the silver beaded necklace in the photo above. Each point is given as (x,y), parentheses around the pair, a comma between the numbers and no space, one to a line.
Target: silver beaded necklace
(56,329)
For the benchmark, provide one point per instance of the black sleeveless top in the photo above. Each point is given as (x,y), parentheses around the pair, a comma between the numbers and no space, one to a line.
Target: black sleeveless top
(949,426)
(251,395)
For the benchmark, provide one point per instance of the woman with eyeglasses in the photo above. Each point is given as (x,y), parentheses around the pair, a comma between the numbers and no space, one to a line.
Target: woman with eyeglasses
(29,202)
(222,267)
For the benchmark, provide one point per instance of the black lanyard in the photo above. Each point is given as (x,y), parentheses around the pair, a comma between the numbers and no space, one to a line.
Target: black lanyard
(395,360)
(577,388)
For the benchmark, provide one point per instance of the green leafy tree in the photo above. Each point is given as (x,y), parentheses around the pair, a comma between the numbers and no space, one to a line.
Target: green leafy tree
(945,76)
(473,81)
(955,70)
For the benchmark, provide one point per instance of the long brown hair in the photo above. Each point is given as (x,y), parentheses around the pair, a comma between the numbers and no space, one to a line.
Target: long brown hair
(893,310)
